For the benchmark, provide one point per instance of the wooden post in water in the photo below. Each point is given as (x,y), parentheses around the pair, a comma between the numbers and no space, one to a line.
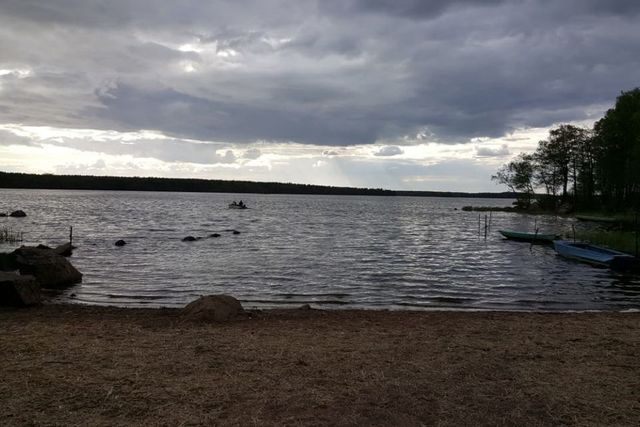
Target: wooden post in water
(478,225)
(573,227)
(635,228)
(490,217)
(71,235)
(485,227)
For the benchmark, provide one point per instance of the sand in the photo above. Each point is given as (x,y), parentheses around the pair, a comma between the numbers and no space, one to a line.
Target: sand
(80,365)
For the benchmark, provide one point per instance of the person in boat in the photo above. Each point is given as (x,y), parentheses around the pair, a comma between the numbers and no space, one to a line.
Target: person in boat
(241,204)
(234,203)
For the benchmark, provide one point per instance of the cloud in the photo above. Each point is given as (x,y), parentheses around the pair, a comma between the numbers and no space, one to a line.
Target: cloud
(252,154)
(389,150)
(10,138)
(337,73)
(501,151)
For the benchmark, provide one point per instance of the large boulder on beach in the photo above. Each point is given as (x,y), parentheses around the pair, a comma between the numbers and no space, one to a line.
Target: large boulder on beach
(8,262)
(216,308)
(18,214)
(50,269)
(18,291)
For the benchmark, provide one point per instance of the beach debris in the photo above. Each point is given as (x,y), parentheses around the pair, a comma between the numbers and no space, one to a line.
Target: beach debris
(120,242)
(191,239)
(50,269)
(214,235)
(18,291)
(18,214)
(216,308)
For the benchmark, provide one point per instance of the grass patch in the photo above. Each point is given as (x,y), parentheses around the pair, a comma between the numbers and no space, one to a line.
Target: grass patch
(624,241)
(7,235)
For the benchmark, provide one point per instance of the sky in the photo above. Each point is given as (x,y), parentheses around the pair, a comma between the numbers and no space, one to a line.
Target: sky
(398,94)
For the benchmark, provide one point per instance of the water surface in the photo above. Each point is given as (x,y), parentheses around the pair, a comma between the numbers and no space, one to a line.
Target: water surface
(329,251)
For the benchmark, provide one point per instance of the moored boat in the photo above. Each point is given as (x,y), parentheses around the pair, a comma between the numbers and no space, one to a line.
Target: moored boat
(593,254)
(529,237)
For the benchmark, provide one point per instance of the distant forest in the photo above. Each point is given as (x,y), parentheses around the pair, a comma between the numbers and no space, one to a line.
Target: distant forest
(88,182)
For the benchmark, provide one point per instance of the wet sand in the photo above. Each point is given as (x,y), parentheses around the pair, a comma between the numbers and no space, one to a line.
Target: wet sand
(80,365)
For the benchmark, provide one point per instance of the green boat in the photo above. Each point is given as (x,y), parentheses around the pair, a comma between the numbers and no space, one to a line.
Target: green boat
(607,220)
(529,237)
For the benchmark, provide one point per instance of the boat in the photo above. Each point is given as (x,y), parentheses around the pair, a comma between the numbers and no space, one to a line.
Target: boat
(529,237)
(603,219)
(235,205)
(593,254)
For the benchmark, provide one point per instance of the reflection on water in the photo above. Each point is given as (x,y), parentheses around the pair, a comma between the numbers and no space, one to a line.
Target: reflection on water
(343,251)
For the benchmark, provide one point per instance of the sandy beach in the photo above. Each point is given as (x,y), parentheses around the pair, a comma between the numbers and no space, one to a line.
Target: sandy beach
(82,365)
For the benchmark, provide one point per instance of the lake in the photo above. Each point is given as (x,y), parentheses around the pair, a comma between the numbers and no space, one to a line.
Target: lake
(328,251)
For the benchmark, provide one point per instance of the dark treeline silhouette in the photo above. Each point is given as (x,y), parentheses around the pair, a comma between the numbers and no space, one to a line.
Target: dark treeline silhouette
(89,182)
(581,168)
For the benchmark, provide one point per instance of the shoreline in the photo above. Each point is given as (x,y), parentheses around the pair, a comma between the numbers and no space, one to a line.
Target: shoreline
(75,364)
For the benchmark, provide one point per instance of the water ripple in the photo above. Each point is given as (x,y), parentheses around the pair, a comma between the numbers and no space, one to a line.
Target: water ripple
(380,252)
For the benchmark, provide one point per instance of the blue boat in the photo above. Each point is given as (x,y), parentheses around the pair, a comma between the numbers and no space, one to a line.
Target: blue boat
(594,254)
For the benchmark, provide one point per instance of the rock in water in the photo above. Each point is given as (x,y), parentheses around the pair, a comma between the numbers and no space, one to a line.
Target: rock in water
(214,235)
(64,249)
(216,308)
(50,269)
(18,291)
(120,243)
(189,239)
(235,232)
(18,214)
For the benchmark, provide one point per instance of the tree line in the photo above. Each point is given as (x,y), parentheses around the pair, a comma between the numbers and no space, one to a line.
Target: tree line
(89,182)
(120,183)
(582,168)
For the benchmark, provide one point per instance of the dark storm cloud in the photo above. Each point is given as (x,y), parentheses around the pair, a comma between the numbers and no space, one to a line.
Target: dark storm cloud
(336,72)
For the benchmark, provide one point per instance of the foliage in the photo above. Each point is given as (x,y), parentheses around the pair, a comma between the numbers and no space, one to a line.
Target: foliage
(617,136)
(7,235)
(518,175)
(624,241)
(593,169)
